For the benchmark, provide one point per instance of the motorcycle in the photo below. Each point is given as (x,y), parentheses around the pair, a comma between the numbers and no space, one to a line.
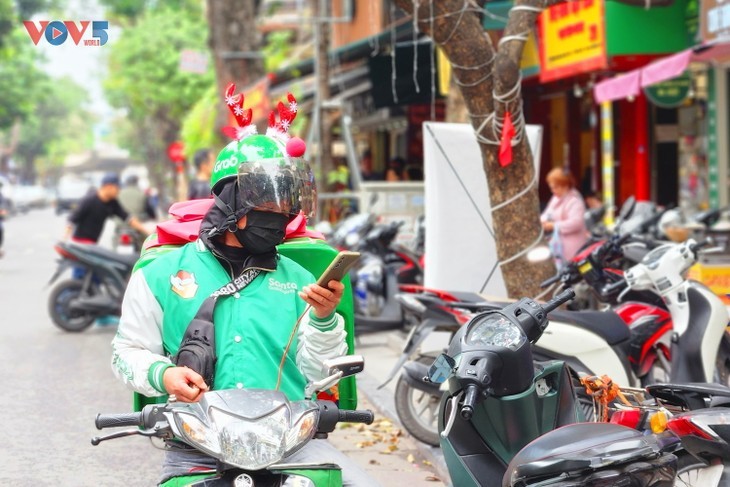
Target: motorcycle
(383,268)
(416,401)
(504,416)
(251,432)
(74,304)
(589,341)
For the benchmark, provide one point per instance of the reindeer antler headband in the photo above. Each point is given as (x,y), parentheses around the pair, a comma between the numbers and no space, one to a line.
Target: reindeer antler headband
(295,146)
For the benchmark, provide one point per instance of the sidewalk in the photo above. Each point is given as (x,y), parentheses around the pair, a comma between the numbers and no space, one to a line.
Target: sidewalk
(385,449)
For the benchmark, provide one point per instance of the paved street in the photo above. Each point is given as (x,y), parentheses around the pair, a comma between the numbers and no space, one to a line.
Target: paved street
(58,382)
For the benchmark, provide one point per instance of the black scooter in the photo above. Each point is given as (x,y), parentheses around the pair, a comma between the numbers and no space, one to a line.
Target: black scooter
(74,304)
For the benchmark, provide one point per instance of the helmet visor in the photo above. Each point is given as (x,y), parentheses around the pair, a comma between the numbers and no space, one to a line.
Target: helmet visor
(284,185)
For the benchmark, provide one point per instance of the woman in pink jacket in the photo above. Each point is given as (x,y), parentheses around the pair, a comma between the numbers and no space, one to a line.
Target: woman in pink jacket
(564,216)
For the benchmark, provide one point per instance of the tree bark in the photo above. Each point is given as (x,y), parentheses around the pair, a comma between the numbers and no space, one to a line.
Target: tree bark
(235,42)
(457,28)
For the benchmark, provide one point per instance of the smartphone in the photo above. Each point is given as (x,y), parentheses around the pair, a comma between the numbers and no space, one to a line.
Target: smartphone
(339,267)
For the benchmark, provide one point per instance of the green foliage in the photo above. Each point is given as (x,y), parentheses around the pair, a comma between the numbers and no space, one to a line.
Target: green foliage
(143,66)
(58,125)
(198,129)
(129,11)
(19,78)
(277,49)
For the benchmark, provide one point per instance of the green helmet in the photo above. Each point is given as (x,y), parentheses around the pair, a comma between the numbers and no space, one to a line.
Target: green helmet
(268,169)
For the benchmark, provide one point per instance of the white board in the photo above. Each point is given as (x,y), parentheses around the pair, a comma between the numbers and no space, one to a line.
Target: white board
(461,253)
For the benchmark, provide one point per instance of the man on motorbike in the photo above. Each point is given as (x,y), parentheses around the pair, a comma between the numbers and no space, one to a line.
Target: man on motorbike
(258,186)
(86,222)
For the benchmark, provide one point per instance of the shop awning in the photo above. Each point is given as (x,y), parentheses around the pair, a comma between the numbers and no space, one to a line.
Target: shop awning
(629,84)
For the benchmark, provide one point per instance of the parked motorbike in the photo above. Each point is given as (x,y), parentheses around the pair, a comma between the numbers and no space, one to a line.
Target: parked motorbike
(383,267)
(74,304)
(251,432)
(503,416)
(432,310)
(696,413)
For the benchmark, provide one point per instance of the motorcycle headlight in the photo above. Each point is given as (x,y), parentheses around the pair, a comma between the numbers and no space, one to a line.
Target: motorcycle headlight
(196,432)
(302,431)
(251,444)
(495,330)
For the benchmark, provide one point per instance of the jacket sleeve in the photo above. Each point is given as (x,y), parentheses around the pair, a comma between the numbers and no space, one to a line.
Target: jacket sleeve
(138,357)
(574,215)
(318,341)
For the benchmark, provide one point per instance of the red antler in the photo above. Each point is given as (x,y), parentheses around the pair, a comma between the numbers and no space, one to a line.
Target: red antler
(243,117)
(286,116)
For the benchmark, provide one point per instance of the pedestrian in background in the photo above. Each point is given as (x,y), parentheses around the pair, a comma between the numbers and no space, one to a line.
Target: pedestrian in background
(86,222)
(200,186)
(395,169)
(563,216)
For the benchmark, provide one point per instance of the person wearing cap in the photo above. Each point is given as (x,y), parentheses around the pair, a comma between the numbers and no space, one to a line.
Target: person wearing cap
(86,222)
(278,327)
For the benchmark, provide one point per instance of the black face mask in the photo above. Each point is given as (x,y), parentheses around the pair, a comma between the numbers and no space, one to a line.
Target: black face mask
(263,232)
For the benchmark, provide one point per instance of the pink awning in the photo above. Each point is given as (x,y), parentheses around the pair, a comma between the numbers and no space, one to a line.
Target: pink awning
(621,86)
(665,68)
(669,67)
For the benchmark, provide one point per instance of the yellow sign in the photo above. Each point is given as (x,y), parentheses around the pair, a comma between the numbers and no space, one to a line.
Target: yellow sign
(716,277)
(572,39)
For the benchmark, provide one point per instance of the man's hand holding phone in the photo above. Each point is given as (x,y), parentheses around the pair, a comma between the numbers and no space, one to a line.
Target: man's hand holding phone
(324,300)
(325,295)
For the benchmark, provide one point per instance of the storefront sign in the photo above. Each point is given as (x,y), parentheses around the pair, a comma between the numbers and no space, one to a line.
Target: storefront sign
(714,20)
(572,39)
(671,93)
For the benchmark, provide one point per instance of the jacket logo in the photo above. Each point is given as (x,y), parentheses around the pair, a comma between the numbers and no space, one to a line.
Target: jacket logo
(184,285)
(282,287)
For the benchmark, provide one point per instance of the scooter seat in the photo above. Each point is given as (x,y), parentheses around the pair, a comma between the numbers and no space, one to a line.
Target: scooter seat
(606,324)
(694,395)
(103,253)
(578,447)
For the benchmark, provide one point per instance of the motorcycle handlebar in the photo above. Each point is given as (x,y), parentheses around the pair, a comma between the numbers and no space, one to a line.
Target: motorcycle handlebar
(550,281)
(612,288)
(700,245)
(113,420)
(467,409)
(561,298)
(365,416)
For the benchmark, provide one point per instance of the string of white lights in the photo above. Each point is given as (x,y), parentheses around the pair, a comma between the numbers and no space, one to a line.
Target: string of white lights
(415,46)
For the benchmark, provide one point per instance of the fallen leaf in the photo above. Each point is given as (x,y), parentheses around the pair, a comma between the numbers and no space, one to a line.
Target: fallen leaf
(432,478)
(374,462)
(392,447)
(411,458)
(363,444)
(426,462)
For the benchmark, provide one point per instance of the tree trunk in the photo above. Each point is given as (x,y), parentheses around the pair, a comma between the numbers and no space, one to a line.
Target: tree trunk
(321,10)
(469,48)
(235,42)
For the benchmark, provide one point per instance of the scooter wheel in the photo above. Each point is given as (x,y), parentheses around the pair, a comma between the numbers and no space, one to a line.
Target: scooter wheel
(418,410)
(59,308)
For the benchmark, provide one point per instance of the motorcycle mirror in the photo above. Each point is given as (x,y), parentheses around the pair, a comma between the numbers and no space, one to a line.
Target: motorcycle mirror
(348,365)
(539,254)
(441,369)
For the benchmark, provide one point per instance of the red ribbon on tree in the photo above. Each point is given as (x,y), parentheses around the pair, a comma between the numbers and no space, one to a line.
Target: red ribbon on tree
(505,145)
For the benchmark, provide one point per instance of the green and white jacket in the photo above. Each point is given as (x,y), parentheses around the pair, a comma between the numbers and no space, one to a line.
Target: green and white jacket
(252,327)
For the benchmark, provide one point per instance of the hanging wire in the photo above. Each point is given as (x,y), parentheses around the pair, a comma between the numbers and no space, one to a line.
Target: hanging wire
(415,46)
(392,53)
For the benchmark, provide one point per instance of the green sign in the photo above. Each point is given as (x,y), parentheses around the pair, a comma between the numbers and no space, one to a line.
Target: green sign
(670,93)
